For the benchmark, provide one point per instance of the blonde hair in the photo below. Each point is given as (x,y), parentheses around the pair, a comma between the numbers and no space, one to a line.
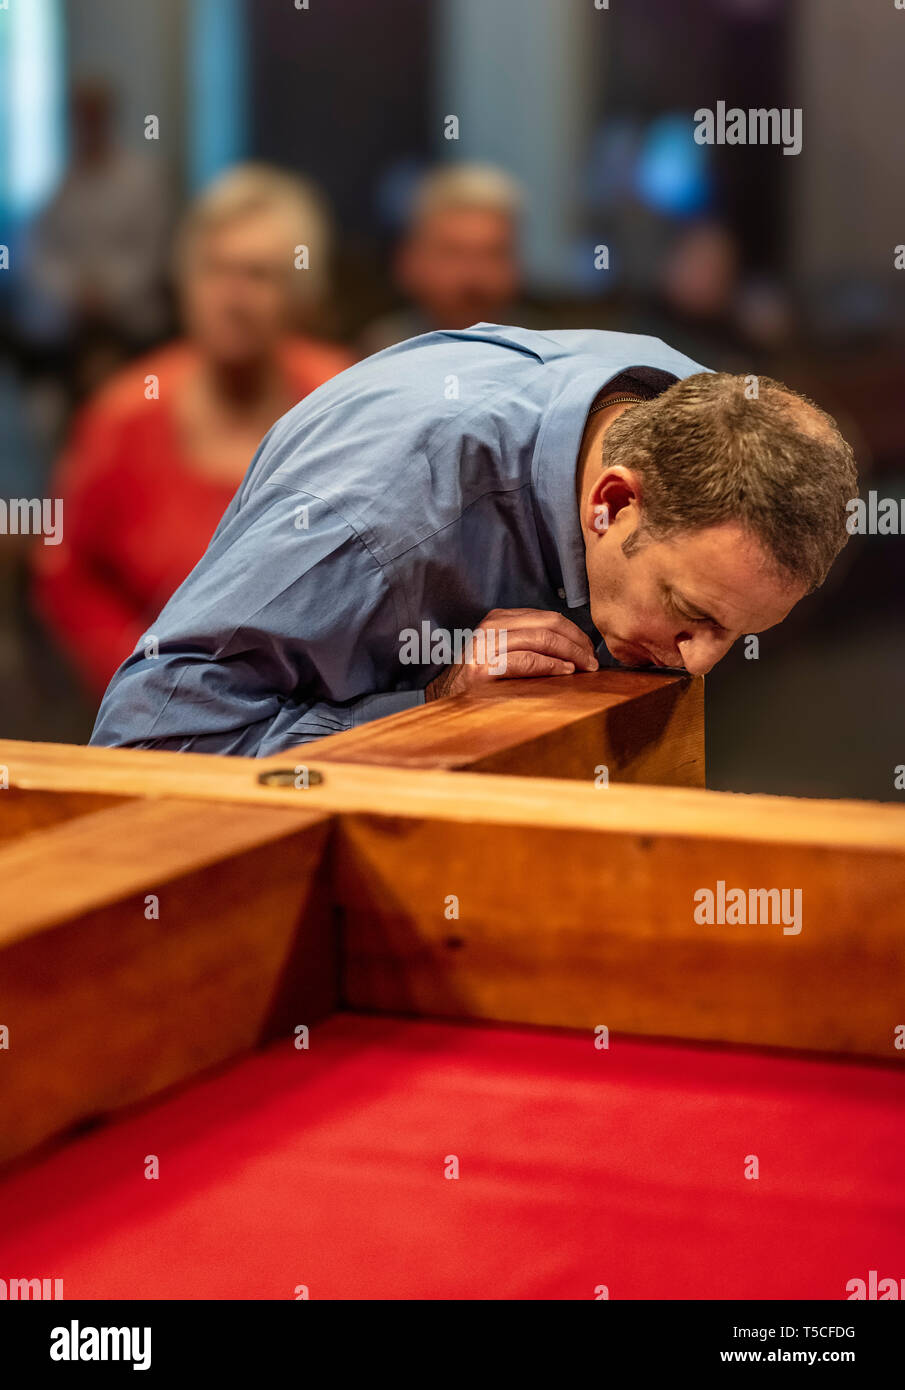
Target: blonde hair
(466,186)
(251,188)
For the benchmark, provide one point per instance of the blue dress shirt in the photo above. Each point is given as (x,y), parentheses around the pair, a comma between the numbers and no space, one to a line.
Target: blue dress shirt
(429,483)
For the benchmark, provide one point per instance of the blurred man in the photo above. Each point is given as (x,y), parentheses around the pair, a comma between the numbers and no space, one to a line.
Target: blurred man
(458,262)
(154,459)
(476,505)
(97,252)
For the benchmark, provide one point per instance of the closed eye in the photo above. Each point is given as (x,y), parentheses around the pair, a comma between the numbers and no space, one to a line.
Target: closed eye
(699,619)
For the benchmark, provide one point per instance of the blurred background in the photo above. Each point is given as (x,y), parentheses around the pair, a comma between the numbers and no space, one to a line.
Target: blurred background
(433,163)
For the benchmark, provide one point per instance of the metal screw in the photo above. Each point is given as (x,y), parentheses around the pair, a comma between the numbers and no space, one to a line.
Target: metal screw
(289,777)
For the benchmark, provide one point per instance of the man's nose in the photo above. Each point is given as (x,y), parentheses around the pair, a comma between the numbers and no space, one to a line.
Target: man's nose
(701,651)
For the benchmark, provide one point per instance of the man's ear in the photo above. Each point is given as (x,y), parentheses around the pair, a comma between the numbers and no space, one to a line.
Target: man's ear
(600,517)
(613,489)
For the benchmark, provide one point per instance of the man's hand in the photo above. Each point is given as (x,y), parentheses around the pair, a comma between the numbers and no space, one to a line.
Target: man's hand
(524,642)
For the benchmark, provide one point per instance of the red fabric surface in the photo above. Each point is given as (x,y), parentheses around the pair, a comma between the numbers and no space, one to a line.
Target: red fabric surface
(578,1168)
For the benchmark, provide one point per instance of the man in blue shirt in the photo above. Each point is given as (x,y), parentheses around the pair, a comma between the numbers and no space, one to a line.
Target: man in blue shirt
(479,505)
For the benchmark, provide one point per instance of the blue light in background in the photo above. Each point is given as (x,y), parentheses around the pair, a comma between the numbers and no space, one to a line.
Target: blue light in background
(32,101)
(672,174)
(217,88)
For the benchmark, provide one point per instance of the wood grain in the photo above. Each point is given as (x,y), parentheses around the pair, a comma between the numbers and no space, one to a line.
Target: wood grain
(575,900)
(105,1004)
(583,927)
(24,811)
(460,796)
(641,726)
(96,859)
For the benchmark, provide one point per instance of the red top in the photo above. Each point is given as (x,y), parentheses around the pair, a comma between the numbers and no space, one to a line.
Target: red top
(137,516)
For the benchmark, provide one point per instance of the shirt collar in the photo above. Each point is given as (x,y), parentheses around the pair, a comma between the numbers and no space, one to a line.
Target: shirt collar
(554,467)
(553,481)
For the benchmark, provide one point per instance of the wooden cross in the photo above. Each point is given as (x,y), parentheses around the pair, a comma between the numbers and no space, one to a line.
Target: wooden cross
(530,855)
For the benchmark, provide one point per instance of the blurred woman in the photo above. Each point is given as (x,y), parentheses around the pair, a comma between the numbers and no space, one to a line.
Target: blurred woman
(154,459)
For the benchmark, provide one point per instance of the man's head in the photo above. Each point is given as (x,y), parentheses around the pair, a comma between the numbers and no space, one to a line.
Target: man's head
(459,259)
(709,515)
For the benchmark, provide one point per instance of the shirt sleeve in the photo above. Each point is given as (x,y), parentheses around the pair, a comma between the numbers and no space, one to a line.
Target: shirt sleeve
(319,721)
(286,631)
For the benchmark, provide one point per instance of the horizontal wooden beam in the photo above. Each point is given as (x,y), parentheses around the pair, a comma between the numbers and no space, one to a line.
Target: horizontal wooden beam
(640,726)
(344,788)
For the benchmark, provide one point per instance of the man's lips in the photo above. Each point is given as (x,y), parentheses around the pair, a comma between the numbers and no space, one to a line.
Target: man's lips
(634,655)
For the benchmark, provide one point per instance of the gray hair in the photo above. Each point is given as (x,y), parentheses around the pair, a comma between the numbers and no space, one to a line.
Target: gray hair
(466,186)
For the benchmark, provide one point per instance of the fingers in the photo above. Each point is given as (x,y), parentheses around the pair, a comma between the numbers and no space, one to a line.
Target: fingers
(521,664)
(460,679)
(529,617)
(547,642)
(532,642)
(546,632)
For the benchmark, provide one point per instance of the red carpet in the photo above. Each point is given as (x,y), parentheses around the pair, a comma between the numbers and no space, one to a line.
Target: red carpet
(578,1168)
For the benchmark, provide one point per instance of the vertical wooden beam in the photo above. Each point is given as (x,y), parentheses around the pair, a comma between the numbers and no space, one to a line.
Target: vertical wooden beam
(147,942)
